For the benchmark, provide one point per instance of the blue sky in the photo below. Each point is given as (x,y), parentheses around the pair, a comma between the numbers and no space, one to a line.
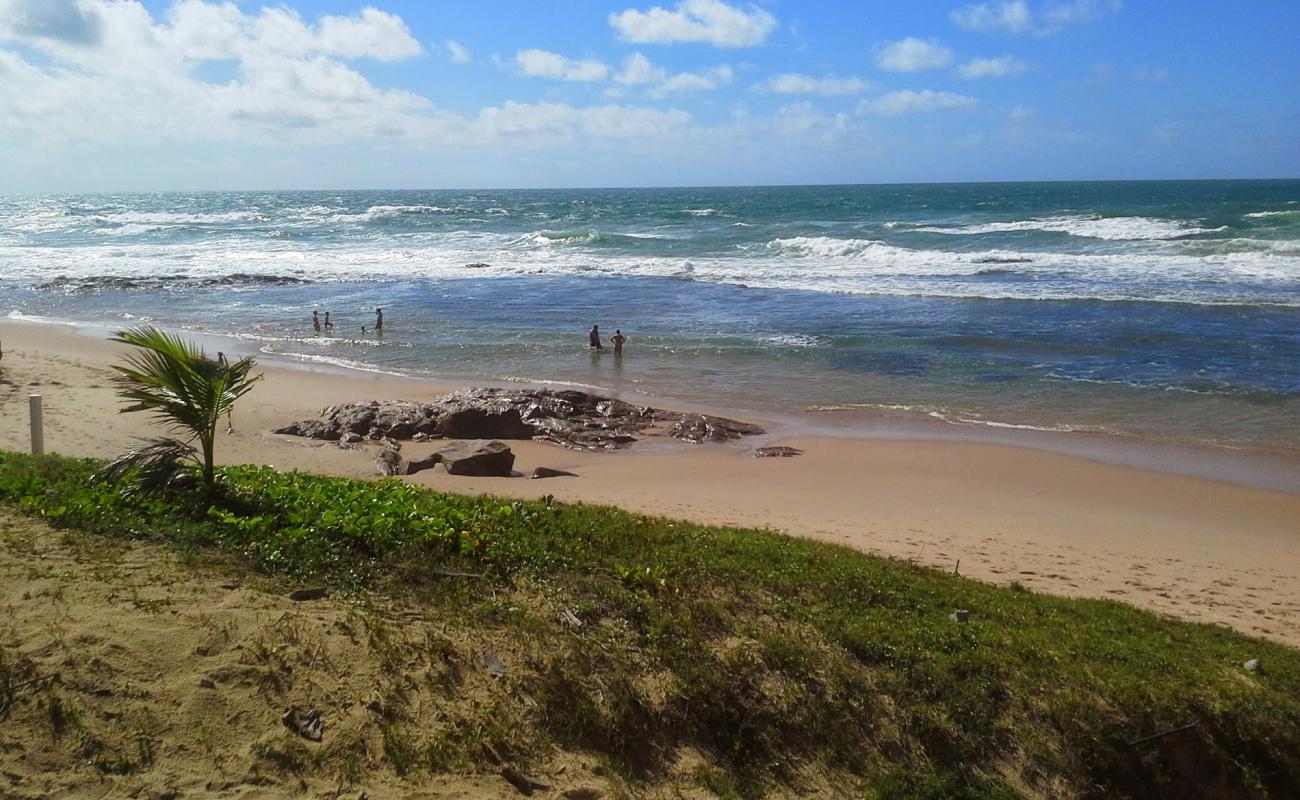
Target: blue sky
(103,95)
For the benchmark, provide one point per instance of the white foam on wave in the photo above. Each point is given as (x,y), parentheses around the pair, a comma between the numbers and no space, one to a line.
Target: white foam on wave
(19,316)
(1089,227)
(701,212)
(818,264)
(1265,214)
(173,218)
(333,361)
(797,340)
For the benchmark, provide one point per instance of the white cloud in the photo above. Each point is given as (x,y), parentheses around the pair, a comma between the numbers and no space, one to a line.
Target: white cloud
(540,124)
(1021,114)
(457,53)
(992,67)
(545,64)
(711,21)
(1062,14)
(1015,16)
(793,83)
(370,34)
(1151,74)
(804,122)
(912,55)
(638,70)
(59,20)
(909,101)
(694,82)
(142,83)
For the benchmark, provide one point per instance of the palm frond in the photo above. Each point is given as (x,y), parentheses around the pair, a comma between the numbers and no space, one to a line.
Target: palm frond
(154,464)
(180,385)
(178,382)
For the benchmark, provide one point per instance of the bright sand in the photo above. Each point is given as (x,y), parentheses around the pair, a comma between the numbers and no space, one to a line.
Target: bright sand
(1195,548)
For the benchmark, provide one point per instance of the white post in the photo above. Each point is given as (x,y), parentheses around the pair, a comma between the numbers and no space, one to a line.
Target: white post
(38,428)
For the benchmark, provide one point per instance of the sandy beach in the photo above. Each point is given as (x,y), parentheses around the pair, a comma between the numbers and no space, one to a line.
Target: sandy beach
(1195,548)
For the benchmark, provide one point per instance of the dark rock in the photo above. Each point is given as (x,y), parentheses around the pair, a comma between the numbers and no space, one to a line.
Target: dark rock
(478,457)
(476,422)
(697,428)
(776,452)
(569,418)
(421,464)
(581,793)
(547,472)
(315,593)
(526,784)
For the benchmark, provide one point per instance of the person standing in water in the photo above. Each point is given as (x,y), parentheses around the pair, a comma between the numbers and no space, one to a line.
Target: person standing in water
(617,339)
(593,338)
(315,320)
(379,320)
(329,326)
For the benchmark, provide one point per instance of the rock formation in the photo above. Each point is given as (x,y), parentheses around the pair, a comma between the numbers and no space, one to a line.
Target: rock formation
(572,419)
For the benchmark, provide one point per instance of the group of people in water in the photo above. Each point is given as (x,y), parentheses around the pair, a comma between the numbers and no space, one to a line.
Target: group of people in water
(328,324)
(593,338)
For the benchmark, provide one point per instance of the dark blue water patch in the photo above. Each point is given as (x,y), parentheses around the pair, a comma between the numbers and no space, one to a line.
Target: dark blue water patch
(881,362)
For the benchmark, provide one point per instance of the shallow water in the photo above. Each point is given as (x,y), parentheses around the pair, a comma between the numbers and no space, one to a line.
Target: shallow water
(1166,311)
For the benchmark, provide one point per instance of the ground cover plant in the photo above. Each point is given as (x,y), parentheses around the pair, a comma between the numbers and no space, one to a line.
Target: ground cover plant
(781,666)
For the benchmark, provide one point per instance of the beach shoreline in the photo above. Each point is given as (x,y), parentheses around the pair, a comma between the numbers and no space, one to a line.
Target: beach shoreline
(1065,523)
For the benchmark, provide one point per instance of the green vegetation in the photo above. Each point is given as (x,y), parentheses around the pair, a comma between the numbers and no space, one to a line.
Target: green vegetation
(782,664)
(188,391)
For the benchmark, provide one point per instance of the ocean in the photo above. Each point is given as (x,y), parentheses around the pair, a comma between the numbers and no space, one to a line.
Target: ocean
(1162,311)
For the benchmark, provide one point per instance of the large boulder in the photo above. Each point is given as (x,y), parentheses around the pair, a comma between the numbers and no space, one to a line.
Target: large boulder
(479,457)
(483,422)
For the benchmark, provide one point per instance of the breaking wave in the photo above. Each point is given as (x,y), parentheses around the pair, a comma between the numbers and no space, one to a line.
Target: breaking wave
(1085,226)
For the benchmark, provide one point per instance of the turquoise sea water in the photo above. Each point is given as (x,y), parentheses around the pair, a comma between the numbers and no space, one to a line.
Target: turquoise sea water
(1153,310)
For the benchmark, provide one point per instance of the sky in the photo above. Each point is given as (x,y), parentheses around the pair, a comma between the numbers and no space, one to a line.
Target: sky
(144,95)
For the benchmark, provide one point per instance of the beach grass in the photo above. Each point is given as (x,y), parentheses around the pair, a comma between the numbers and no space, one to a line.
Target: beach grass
(780,665)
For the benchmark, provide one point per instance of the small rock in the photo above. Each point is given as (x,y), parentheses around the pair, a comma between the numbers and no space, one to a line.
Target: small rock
(526,784)
(230,586)
(776,452)
(207,683)
(547,472)
(315,593)
(959,615)
(582,793)
(495,667)
(307,725)
(1253,665)
(389,462)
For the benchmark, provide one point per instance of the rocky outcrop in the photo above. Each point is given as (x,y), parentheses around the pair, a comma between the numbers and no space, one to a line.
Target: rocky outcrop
(573,419)
(477,457)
